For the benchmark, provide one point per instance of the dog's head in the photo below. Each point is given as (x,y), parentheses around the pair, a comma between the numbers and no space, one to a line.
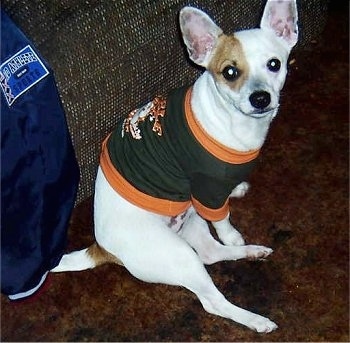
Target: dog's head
(249,67)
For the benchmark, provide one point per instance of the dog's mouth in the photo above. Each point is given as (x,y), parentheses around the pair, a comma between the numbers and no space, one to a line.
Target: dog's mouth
(255,112)
(260,113)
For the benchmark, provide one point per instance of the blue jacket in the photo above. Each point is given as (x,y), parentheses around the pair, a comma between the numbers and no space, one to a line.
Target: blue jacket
(39,172)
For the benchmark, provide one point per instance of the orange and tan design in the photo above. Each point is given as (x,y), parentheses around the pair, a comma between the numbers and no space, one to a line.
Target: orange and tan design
(153,111)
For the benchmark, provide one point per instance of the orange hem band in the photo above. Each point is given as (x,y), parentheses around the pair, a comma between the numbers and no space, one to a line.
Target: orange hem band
(209,213)
(132,194)
(217,149)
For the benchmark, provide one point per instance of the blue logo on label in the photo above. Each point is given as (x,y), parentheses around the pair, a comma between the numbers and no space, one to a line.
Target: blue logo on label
(21,72)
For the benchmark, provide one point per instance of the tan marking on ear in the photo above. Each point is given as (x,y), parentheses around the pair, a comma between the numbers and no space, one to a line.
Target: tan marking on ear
(228,52)
(101,256)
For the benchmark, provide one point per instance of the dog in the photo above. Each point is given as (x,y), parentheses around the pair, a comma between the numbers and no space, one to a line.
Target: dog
(170,166)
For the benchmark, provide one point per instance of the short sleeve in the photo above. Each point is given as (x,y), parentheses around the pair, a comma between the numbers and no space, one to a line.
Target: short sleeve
(210,197)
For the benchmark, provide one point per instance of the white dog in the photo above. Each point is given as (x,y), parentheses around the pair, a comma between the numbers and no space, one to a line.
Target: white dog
(173,164)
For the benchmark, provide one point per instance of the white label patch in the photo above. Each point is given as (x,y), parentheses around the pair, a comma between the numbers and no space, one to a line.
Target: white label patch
(21,72)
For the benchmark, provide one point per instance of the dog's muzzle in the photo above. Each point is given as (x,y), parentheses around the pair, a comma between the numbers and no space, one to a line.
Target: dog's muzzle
(260,100)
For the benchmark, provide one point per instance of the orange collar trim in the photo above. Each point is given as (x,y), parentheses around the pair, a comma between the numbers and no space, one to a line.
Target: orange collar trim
(217,149)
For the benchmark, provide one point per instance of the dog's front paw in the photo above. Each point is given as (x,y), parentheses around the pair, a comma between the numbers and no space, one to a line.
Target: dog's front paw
(257,252)
(240,190)
(262,325)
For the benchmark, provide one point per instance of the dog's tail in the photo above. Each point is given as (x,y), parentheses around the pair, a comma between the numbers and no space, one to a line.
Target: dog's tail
(88,258)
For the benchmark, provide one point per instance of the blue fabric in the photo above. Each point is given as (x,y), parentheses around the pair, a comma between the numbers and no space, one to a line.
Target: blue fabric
(39,172)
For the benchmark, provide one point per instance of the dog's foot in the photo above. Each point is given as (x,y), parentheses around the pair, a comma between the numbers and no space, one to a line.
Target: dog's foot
(240,190)
(257,252)
(262,325)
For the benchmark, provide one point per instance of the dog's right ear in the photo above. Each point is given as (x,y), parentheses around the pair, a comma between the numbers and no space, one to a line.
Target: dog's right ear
(200,34)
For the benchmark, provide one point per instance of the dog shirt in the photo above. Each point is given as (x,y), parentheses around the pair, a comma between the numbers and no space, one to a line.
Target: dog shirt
(159,158)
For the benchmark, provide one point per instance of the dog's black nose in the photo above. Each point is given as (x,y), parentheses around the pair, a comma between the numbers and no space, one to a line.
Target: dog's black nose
(260,99)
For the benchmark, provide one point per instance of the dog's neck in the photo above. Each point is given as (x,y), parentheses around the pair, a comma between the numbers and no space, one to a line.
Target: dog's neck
(223,121)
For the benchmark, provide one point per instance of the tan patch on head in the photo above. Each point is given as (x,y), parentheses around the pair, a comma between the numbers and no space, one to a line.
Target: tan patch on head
(229,52)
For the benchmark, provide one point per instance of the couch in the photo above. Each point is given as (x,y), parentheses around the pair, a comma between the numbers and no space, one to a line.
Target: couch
(110,56)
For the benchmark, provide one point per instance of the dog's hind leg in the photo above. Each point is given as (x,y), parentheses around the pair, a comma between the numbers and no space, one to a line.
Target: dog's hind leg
(177,264)
(88,258)
(152,252)
(214,302)
(197,234)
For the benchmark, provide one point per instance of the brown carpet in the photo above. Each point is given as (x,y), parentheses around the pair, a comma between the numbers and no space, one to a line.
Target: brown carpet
(298,205)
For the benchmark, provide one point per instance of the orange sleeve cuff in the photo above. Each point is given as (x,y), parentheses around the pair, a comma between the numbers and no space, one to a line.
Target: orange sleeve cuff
(209,213)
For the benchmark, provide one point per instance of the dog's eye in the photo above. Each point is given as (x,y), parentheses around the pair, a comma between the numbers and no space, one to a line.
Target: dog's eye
(230,73)
(274,65)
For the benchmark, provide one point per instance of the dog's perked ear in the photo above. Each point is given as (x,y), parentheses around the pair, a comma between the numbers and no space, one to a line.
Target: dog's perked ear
(200,34)
(281,16)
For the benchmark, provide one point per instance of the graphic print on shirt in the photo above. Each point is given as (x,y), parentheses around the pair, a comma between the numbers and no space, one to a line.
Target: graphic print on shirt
(152,111)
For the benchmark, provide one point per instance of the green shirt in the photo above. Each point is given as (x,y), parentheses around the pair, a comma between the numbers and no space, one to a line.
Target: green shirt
(161,151)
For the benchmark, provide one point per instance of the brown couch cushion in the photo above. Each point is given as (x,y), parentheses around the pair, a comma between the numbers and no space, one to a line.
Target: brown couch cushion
(111,56)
